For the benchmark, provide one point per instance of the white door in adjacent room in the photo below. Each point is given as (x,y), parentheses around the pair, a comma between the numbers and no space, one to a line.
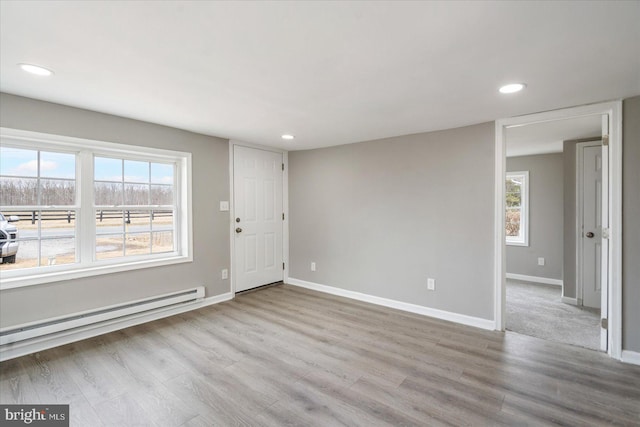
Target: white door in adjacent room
(258,221)
(590,216)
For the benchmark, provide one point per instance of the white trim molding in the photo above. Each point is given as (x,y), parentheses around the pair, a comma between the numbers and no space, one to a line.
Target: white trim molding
(535,279)
(632,357)
(22,348)
(399,305)
(499,232)
(569,300)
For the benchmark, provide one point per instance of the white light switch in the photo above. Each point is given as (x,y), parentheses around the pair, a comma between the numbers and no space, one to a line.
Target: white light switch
(540,261)
(431,284)
(313,266)
(224,206)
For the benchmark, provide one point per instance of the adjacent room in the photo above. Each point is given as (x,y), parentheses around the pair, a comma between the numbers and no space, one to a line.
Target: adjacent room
(319,213)
(551,234)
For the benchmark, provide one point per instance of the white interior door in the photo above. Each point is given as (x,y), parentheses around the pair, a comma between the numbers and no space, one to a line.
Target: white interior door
(258,210)
(591,236)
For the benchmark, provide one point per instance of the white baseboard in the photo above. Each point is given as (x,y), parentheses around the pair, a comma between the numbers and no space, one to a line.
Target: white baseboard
(22,348)
(412,308)
(569,300)
(535,279)
(632,357)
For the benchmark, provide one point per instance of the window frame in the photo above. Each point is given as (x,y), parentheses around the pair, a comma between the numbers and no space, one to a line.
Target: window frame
(85,236)
(523,238)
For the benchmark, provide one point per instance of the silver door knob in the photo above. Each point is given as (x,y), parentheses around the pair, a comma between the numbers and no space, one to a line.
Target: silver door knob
(238,230)
(590,234)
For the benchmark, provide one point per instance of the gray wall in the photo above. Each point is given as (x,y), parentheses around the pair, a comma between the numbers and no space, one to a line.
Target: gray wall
(210,227)
(545,217)
(631,225)
(381,217)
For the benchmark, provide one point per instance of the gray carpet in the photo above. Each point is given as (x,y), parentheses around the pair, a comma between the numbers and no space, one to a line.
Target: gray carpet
(536,310)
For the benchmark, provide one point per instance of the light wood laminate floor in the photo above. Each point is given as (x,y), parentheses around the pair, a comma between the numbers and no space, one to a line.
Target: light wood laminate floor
(289,356)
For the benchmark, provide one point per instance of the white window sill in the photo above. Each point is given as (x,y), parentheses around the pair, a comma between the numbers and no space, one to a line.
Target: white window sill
(514,243)
(77,272)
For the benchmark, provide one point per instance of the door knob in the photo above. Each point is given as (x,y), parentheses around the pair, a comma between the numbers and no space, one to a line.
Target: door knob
(590,234)
(237,219)
(238,230)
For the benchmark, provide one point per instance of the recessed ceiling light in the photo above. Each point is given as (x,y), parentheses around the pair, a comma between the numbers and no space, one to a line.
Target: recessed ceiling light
(35,69)
(512,88)
(287,136)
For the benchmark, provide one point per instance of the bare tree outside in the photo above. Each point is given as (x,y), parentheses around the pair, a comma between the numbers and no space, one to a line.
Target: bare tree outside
(24,192)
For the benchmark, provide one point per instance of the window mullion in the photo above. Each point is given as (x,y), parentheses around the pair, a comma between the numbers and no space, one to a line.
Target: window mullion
(39,203)
(85,230)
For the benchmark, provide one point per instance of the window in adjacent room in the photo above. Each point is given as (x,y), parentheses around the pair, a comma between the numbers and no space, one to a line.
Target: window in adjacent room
(517,212)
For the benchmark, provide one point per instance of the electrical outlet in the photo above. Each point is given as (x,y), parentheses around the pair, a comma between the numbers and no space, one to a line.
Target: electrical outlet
(225,273)
(313,266)
(431,284)
(540,261)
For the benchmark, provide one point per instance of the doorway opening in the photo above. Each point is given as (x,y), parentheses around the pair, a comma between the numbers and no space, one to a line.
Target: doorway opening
(558,177)
(544,179)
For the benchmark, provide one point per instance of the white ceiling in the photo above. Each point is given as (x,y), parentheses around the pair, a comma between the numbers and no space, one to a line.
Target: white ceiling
(548,137)
(328,72)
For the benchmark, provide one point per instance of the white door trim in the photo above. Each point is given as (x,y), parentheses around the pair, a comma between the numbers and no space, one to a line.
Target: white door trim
(285,207)
(614,200)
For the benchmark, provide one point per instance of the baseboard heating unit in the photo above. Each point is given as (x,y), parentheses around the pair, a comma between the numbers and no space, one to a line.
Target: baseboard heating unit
(93,318)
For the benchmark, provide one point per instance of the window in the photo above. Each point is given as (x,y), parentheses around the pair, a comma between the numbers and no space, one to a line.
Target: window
(75,208)
(38,187)
(517,208)
(134,207)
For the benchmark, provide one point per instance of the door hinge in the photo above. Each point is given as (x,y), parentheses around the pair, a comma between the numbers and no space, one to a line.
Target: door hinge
(605,233)
(605,140)
(605,323)
(283,216)
(283,166)
(283,265)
